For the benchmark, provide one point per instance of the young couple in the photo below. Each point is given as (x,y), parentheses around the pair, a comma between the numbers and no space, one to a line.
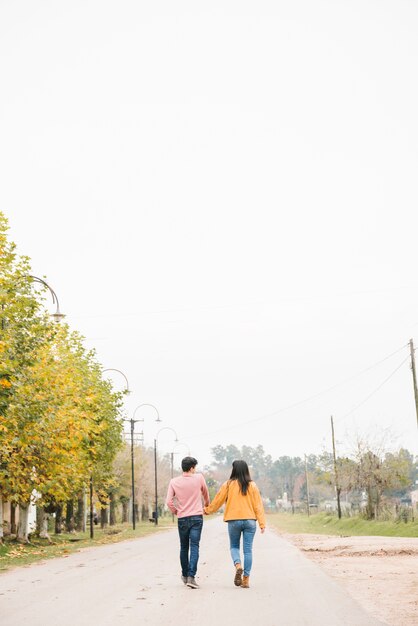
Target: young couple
(243,507)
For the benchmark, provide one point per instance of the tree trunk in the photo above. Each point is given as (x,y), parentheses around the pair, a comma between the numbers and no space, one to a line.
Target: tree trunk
(339,502)
(103,518)
(370,506)
(42,518)
(112,510)
(80,518)
(377,509)
(125,511)
(58,519)
(69,517)
(22,529)
(144,512)
(1,520)
(13,529)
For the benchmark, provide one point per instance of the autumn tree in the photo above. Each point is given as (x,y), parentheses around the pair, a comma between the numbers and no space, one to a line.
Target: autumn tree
(59,419)
(378,471)
(23,327)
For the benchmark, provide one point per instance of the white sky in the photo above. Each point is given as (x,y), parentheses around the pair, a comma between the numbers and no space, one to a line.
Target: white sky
(223,195)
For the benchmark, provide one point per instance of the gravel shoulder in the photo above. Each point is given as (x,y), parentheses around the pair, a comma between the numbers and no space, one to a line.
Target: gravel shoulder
(381,573)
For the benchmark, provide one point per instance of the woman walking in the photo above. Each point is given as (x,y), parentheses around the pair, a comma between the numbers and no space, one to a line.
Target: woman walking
(242,509)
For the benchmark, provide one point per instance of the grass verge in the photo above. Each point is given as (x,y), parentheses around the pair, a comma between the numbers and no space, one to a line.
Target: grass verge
(13,554)
(323,524)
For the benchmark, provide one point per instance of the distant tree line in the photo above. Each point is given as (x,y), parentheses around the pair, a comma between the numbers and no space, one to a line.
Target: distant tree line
(370,477)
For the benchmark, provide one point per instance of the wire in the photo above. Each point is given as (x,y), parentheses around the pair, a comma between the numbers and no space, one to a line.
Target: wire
(373,392)
(313,397)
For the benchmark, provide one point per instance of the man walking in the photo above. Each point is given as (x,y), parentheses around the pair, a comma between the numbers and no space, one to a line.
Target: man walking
(184,499)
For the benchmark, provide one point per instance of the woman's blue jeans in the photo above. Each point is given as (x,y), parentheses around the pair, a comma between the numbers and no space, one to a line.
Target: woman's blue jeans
(246,528)
(190,530)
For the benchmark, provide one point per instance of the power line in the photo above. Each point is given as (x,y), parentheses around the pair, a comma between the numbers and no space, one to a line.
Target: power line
(375,390)
(313,397)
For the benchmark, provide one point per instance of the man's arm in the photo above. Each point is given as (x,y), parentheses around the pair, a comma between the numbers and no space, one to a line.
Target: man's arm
(169,499)
(205,491)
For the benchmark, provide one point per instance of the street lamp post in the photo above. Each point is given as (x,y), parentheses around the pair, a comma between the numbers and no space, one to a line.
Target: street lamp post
(172,453)
(133,422)
(109,369)
(155,467)
(181,443)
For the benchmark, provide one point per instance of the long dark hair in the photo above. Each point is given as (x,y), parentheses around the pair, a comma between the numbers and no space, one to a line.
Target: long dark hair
(241,473)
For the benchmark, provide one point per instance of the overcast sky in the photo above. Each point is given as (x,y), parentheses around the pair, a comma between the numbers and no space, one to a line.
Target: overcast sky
(224,197)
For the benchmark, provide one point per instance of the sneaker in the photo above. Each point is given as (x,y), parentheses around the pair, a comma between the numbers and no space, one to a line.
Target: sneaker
(238,576)
(191,582)
(184,579)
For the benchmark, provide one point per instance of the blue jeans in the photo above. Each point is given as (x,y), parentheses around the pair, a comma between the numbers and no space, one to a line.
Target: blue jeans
(190,529)
(246,528)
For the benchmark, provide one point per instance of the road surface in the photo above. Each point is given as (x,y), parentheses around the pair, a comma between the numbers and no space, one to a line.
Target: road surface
(138,583)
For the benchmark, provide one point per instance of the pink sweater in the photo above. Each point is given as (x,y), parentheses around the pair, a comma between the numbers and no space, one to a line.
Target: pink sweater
(185,494)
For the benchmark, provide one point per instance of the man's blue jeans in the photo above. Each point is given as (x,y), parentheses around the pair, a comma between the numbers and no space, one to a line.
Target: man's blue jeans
(190,529)
(246,528)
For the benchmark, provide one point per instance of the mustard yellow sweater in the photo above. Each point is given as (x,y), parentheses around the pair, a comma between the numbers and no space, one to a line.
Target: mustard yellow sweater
(237,505)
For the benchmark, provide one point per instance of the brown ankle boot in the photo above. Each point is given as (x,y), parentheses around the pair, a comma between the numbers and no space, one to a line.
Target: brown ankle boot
(245,582)
(238,575)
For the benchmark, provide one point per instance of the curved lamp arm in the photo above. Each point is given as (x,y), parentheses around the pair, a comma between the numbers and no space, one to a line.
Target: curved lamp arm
(112,369)
(166,428)
(58,316)
(181,443)
(146,404)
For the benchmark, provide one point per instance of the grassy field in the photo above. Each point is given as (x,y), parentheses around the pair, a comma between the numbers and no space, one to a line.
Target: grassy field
(323,524)
(13,554)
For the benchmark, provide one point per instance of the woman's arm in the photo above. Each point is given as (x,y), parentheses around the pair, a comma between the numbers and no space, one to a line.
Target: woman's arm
(258,506)
(218,500)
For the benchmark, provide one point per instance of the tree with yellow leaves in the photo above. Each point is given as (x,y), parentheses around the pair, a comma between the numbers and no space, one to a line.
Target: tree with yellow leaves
(59,420)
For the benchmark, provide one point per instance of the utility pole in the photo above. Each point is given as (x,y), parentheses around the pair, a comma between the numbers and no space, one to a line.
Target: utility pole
(414,375)
(156,482)
(133,473)
(307,486)
(91,508)
(134,510)
(337,486)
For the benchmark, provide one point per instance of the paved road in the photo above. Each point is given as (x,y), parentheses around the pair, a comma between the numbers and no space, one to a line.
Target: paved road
(138,583)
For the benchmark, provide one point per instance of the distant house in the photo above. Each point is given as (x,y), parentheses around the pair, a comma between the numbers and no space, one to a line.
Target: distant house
(332,506)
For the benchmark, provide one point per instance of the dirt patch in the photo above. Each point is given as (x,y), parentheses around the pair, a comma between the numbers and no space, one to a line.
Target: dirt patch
(381,573)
